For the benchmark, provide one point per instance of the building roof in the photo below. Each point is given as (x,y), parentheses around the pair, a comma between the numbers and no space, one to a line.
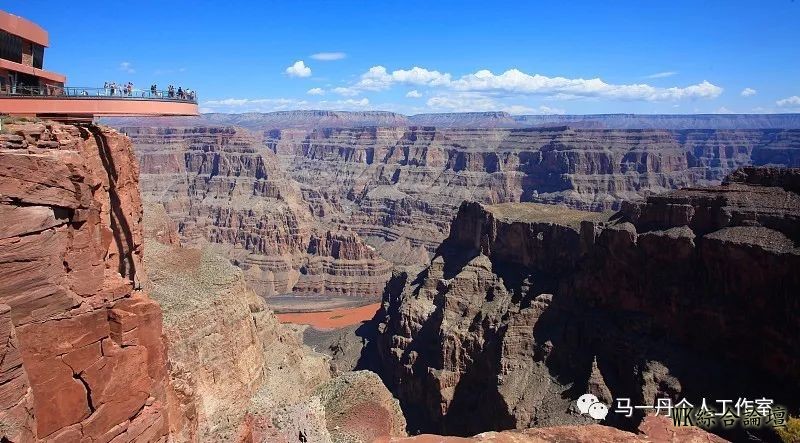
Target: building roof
(23,28)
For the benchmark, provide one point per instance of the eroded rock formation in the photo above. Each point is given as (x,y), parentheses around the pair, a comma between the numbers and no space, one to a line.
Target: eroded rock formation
(525,307)
(653,429)
(408,182)
(82,355)
(394,181)
(224,344)
(221,186)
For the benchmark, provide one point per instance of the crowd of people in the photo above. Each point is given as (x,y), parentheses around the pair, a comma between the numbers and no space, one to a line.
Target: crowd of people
(127,90)
(123,89)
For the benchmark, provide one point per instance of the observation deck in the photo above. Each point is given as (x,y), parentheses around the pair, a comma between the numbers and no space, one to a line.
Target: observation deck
(27,89)
(75,102)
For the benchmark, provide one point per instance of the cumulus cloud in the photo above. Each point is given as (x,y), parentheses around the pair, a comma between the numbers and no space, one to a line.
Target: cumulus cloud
(298,69)
(516,82)
(474,102)
(748,92)
(723,110)
(328,56)
(347,92)
(413,94)
(789,102)
(378,78)
(127,67)
(661,74)
(315,91)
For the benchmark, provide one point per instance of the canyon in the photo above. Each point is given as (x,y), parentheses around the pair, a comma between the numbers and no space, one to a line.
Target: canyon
(621,262)
(398,186)
(220,187)
(115,332)
(524,307)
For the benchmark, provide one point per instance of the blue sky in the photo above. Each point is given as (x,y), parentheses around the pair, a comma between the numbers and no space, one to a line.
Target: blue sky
(418,56)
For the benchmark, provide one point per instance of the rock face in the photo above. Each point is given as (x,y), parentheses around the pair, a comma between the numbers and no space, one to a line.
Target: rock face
(236,374)
(653,429)
(358,407)
(406,183)
(525,307)
(219,185)
(398,185)
(224,344)
(83,358)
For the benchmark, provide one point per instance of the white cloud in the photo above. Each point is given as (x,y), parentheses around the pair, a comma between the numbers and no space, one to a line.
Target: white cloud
(315,91)
(328,56)
(789,102)
(127,67)
(475,102)
(413,94)
(299,69)
(347,92)
(548,110)
(378,78)
(748,92)
(351,102)
(723,110)
(661,74)
(516,82)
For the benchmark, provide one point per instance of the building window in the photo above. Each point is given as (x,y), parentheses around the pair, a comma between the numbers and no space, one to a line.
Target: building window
(38,55)
(10,47)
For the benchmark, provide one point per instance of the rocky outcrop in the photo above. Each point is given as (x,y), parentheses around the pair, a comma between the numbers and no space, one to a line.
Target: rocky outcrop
(220,186)
(653,429)
(525,307)
(358,407)
(224,344)
(236,374)
(396,181)
(83,358)
(406,183)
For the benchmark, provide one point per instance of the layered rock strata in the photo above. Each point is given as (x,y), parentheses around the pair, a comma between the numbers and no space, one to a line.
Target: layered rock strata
(400,182)
(220,186)
(406,183)
(525,307)
(83,358)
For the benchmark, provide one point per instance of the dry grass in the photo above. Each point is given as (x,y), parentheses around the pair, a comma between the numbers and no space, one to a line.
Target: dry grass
(535,212)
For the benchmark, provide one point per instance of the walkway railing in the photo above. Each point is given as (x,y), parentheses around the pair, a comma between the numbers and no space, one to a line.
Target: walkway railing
(72,92)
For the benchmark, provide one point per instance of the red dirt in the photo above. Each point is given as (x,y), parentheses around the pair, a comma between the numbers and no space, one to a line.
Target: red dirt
(332,319)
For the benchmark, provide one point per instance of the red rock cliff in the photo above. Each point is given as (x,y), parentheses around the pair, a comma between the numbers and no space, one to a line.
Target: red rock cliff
(83,357)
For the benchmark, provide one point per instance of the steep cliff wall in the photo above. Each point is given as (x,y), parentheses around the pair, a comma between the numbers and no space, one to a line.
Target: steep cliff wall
(221,186)
(83,358)
(404,183)
(525,307)
(408,182)
(224,344)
